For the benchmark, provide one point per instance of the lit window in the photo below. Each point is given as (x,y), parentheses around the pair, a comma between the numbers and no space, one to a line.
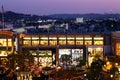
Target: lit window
(53,40)
(62,40)
(95,50)
(35,41)
(9,42)
(98,40)
(70,41)
(79,40)
(3,42)
(118,49)
(44,41)
(3,53)
(88,40)
(27,41)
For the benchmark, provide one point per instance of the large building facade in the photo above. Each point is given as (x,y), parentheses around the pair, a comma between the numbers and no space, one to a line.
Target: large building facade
(55,48)
(49,49)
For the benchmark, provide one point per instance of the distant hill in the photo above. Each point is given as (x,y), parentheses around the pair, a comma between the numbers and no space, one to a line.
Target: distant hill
(12,16)
(90,16)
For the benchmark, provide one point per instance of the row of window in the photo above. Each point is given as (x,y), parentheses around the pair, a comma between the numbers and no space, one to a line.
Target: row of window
(5,42)
(63,41)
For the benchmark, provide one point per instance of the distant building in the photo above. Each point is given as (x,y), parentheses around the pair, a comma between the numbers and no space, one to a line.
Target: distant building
(44,26)
(79,20)
(67,26)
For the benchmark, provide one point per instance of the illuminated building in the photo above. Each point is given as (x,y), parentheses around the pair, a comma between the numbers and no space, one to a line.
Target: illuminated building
(48,49)
(6,46)
(55,48)
(116,43)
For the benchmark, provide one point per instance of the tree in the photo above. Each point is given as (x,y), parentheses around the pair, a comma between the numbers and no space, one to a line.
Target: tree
(95,69)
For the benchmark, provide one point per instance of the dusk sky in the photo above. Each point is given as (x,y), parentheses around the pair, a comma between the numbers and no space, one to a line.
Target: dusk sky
(46,7)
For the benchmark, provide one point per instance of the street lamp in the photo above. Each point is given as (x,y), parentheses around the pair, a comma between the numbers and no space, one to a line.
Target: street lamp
(119,70)
(111,75)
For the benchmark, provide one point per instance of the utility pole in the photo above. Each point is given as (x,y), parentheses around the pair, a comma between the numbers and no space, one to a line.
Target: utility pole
(3,21)
(3,17)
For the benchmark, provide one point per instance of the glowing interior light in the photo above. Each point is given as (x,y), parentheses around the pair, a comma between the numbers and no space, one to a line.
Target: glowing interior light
(98,38)
(88,38)
(70,38)
(35,38)
(52,38)
(62,38)
(79,38)
(44,37)
(26,38)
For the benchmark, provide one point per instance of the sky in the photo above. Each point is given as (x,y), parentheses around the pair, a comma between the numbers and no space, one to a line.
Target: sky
(47,7)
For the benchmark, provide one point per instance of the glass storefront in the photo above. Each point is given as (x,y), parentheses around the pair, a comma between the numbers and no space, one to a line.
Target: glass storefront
(77,54)
(94,52)
(70,56)
(43,57)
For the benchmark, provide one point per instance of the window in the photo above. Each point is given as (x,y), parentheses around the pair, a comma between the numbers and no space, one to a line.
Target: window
(44,41)
(70,56)
(53,40)
(9,42)
(79,40)
(62,40)
(118,49)
(27,41)
(77,54)
(35,41)
(70,41)
(3,42)
(98,40)
(64,56)
(3,53)
(88,40)
(95,50)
